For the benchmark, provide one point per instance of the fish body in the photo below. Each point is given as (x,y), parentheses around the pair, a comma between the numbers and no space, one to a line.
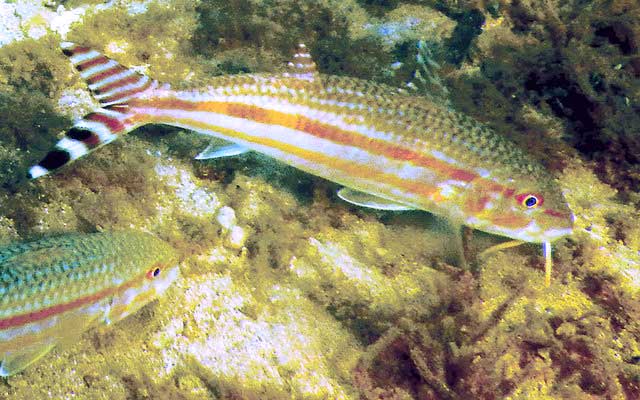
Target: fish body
(393,148)
(54,289)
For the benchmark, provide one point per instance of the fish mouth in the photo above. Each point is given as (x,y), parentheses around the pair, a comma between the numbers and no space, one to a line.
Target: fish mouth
(548,235)
(553,234)
(532,233)
(169,277)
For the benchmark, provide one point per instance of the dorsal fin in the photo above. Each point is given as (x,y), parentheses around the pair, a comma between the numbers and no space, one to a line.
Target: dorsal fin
(302,65)
(109,82)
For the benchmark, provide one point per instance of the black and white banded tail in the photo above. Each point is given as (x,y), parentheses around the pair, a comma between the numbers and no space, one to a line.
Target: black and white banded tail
(112,85)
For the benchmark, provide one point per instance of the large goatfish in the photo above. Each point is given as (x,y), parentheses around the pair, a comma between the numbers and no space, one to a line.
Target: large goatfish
(52,290)
(389,149)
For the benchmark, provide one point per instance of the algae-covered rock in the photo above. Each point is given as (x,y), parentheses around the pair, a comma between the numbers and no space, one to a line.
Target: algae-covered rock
(288,292)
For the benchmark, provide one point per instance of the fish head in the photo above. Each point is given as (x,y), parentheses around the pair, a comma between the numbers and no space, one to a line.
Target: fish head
(157,270)
(523,210)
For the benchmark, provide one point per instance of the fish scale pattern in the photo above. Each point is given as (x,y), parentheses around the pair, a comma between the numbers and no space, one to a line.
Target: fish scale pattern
(58,270)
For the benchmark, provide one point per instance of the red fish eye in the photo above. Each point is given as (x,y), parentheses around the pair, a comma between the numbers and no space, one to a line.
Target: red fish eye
(154,273)
(529,200)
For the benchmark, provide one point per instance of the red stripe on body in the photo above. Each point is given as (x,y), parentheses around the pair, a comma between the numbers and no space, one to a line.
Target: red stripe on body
(20,320)
(462,175)
(326,131)
(251,113)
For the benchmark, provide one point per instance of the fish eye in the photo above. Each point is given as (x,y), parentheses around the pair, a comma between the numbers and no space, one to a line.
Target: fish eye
(530,201)
(154,273)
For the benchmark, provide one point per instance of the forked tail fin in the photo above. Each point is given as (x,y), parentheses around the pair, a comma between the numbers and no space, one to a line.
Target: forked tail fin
(113,86)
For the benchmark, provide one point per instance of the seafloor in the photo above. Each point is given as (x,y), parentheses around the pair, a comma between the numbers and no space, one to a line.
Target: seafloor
(288,292)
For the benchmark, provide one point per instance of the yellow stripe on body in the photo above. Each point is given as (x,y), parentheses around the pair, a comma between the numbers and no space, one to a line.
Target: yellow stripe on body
(347,172)
(385,168)
(387,142)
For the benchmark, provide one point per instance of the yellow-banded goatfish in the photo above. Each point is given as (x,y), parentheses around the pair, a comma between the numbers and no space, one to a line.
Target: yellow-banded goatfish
(389,149)
(52,290)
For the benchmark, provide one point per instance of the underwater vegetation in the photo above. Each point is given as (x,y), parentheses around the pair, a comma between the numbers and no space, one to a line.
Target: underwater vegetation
(288,292)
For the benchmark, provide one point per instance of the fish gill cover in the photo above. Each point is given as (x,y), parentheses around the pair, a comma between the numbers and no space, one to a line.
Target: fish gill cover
(286,292)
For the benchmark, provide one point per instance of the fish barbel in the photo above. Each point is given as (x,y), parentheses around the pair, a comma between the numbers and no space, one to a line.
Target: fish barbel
(54,289)
(390,150)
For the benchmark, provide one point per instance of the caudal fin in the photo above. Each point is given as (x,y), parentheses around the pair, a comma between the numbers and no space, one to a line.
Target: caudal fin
(109,82)
(113,86)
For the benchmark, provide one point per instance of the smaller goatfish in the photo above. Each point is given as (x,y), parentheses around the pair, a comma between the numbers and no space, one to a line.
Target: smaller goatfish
(52,290)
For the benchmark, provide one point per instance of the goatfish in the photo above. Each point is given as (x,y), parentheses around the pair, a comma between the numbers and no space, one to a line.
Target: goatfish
(54,289)
(388,149)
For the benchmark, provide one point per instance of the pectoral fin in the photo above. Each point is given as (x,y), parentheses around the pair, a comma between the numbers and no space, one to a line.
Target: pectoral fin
(31,343)
(19,359)
(370,201)
(215,151)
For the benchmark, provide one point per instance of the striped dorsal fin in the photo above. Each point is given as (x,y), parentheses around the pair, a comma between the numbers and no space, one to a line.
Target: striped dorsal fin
(109,82)
(112,85)
(302,65)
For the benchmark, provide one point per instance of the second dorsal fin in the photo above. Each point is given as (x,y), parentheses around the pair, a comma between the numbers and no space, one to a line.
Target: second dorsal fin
(302,65)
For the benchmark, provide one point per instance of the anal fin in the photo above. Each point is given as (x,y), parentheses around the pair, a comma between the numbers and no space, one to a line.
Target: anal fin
(370,201)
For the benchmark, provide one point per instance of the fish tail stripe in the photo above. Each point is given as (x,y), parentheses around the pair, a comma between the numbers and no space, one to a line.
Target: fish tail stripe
(75,148)
(23,319)
(70,49)
(92,131)
(98,128)
(127,92)
(100,79)
(97,69)
(105,89)
(90,139)
(37,171)
(78,58)
(109,82)
(91,62)
(113,124)
(53,160)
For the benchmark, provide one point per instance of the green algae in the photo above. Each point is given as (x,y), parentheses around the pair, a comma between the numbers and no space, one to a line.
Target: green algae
(293,294)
